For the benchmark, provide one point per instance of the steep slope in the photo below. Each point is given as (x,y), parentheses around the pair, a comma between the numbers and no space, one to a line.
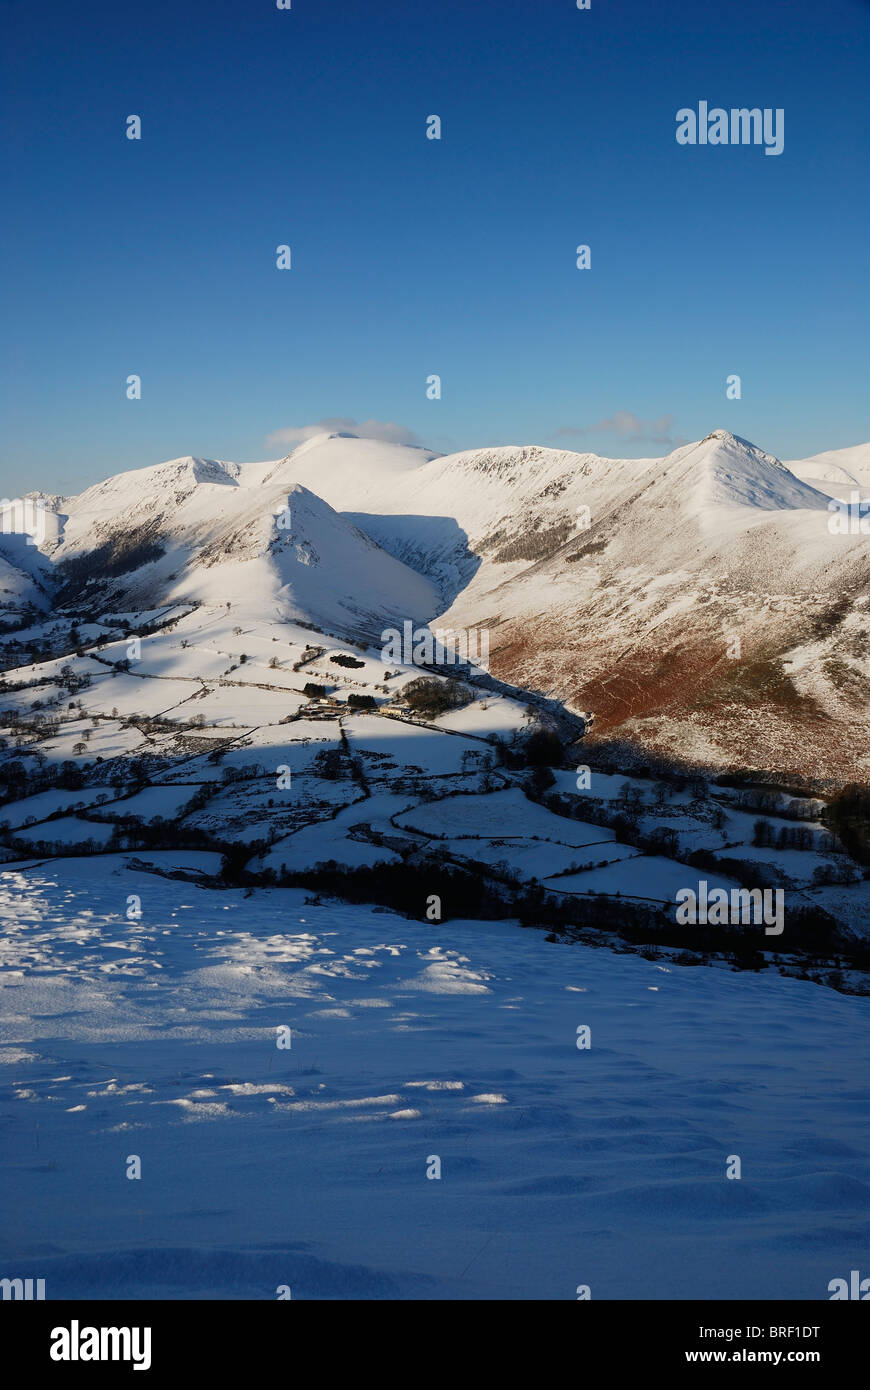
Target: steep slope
(304,561)
(26,580)
(707,612)
(143,497)
(29,527)
(726,471)
(204,531)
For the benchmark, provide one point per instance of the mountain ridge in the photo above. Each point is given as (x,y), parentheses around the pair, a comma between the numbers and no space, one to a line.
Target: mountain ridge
(612,585)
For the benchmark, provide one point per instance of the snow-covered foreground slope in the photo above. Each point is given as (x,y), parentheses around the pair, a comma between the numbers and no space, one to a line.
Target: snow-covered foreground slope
(411,1042)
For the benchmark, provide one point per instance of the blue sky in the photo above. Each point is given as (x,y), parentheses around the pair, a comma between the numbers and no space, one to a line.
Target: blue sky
(414,256)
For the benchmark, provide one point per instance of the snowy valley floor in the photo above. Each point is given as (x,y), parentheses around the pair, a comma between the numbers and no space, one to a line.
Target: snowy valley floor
(307,1167)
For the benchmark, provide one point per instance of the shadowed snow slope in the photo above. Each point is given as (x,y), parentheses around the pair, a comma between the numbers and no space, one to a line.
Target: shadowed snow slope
(143,994)
(308,1166)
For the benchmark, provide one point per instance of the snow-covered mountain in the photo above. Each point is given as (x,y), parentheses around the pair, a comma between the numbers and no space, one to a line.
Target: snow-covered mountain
(839,472)
(707,611)
(700,604)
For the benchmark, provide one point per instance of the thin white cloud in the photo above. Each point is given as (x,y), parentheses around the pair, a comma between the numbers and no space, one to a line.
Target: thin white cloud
(631,428)
(386,430)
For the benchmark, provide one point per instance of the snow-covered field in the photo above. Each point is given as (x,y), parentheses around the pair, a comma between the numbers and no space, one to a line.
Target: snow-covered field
(270,766)
(645,876)
(410,1042)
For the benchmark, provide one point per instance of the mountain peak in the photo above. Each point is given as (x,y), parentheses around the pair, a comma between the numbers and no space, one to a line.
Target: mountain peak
(725,469)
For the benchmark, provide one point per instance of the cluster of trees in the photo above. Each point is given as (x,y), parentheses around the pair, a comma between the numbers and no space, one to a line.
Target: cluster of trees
(248,772)
(71,681)
(26,685)
(848,816)
(788,837)
(327,764)
(18,780)
(540,749)
(407,887)
(308,655)
(430,696)
(129,833)
(835,873)
(121,553)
